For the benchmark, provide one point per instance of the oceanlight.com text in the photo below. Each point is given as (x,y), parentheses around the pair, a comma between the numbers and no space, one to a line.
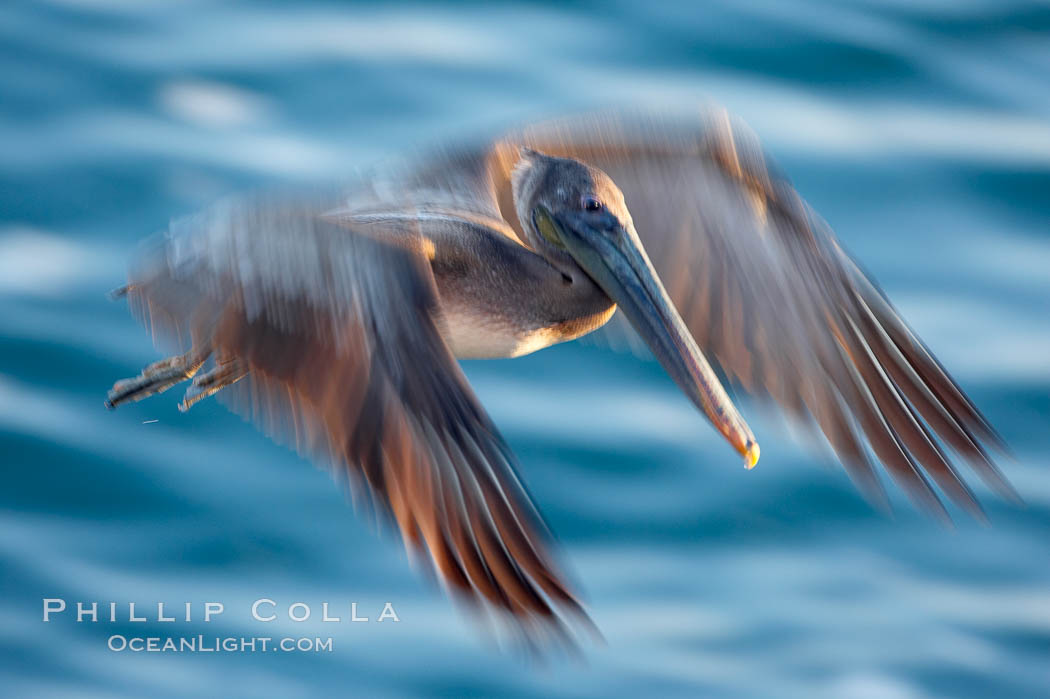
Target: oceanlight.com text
(218,644)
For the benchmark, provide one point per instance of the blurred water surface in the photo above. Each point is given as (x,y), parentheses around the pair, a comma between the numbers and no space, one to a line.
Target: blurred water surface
(920,130)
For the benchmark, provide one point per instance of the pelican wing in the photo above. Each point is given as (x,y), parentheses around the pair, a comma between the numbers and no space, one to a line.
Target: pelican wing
(768,293)
(340,340)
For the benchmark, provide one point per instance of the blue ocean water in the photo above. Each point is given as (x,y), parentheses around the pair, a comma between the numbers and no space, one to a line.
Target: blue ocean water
(920,130)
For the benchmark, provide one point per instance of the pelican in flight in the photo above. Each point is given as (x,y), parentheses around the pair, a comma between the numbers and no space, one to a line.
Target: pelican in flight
(335,320)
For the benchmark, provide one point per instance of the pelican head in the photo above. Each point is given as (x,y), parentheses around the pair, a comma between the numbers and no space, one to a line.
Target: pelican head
(576,217)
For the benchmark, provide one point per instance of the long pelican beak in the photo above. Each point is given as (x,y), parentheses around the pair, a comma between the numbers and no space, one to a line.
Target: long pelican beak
(616,260)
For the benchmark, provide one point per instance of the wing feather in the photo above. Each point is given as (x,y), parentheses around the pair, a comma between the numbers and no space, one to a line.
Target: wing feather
(770,296)
(340,335)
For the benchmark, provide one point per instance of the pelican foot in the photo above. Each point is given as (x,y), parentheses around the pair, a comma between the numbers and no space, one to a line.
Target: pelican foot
(211,382)
(157,377)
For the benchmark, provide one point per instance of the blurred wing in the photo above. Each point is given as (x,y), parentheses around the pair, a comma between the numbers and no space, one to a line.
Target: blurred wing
(459,184)
(339,337)
(768,293)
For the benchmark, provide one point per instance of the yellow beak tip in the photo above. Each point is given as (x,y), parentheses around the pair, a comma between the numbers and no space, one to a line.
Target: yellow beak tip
(751,455)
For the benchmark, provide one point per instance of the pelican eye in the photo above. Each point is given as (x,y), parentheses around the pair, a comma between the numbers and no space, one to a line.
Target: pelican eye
(592,203)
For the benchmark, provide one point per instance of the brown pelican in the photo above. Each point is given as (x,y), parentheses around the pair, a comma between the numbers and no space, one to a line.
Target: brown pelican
(345,313)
